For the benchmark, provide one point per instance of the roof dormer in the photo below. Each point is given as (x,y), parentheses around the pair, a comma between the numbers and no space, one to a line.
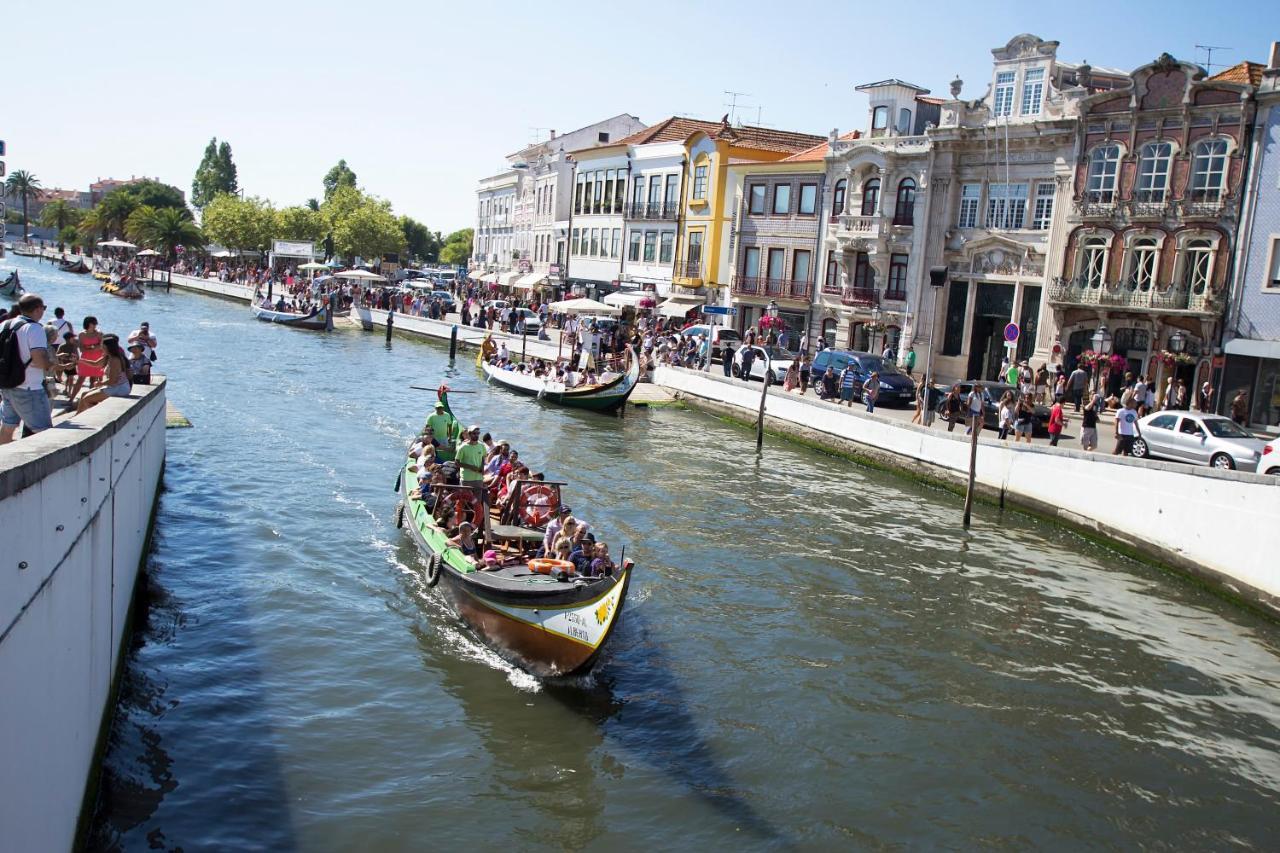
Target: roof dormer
(1021,78)
(893,107)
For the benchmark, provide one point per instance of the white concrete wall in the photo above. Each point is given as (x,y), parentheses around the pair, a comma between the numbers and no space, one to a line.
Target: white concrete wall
(74,509)
(1220,525)
(207,285)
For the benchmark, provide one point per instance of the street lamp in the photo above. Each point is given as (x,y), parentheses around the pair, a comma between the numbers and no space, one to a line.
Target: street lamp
(1178,341)
(875,324)
(1102,346)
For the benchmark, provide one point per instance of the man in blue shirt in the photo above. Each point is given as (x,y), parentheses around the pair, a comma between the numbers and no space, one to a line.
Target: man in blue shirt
(848,378)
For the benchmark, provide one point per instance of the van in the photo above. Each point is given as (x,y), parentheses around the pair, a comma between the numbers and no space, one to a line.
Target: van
(720,335)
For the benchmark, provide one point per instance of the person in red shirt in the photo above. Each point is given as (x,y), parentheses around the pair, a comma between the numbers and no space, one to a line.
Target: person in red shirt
(1057,420)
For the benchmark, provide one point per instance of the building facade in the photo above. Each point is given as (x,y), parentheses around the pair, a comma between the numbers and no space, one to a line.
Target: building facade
(596,223)
(652,215)
(1252,340)
(493,250)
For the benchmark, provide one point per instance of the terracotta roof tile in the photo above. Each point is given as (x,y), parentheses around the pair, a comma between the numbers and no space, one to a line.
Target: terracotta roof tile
(819,152)
(1243,72)
(676,129)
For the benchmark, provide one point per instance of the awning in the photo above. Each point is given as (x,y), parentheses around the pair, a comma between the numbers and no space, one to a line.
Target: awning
(530,281)
(509,279)
(489,278)
(476,275)
(677,305)
(1251,347)
(628,298)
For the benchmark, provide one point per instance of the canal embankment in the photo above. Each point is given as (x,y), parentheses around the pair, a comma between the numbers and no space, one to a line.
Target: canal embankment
(1218,526)
(76,504)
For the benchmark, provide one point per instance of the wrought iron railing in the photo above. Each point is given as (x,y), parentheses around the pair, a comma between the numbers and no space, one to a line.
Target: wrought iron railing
(860,296)
(774,288)
(1130,294)
(688,269)
(653,211)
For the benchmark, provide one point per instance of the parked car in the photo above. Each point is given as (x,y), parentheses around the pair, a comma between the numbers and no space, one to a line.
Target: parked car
(719,335)
(500,304)
(531,321)
(1270,463)
(779,362)
(446,299)
(1198,438)
(603,323)
(895,386)
(991,394)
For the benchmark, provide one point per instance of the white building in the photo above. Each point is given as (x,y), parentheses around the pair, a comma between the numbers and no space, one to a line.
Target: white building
(494,243)
(652,213)
(595,235)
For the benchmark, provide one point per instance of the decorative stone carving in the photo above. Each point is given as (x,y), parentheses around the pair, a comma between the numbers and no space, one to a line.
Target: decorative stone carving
(956,85)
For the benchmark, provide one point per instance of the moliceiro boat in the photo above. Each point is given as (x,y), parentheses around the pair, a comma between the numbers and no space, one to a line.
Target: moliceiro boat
(616,381)
(11,288)
(539,614)
(128,288)
(78,266)
(319,320)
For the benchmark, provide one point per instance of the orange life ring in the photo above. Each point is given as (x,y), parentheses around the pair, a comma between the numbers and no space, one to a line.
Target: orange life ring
(466,506)
(545,565)
(536,515)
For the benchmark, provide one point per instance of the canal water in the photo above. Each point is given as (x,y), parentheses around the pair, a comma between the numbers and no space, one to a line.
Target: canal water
(814,655)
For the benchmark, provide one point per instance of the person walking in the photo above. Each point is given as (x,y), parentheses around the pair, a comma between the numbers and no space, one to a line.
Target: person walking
(1005,415)
(974,402)
(726,357)
(921,397)
(1089,423)
(909,360)
(848,378)
(871,392)
(951,407)
(806,372)
(1126,428)
(26,355)
(1240,408)
(1076,383)
(1024,419)
(1204,399)
(1057,420)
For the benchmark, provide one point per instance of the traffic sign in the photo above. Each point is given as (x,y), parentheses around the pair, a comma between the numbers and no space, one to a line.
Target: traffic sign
(1011,332)
(719,309)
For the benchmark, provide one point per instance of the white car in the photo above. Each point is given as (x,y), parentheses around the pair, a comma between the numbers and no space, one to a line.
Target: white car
(1197,438)
(531,322)
(1270,463)
(779,362)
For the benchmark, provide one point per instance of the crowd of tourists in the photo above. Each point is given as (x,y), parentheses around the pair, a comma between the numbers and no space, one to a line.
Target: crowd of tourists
(45,364)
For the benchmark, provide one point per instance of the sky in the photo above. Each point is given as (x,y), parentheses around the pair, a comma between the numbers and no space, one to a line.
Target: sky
(424,98)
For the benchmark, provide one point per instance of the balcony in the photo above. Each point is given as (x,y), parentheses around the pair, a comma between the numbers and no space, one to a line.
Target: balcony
(687,269)
(895,296)
(653,212)
(1150,210)
(861,226)
(865,297)
(771,288)
(1202,208)
(1128,294)
(1095,209)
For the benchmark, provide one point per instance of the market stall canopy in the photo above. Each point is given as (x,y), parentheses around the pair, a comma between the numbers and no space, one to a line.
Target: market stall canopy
(224,253)
(116,244)
(677,305)
(312,265)
(530,281)
(148,253)
(630,298)
(583,306)
(363,275)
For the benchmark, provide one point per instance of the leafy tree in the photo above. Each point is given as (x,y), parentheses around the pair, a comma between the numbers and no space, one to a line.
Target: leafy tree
(68,236)
(339,176)
(165,229)
(239,223)
(114,211)
(215,174)
(25,186)
(93,226)
(313,204)
(422,243)
(457,247)
(370,231)
(58,214)
(135,227)
(151,193)
(300,223)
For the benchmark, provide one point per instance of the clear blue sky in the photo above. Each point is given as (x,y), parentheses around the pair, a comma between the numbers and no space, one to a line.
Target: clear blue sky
(423,98)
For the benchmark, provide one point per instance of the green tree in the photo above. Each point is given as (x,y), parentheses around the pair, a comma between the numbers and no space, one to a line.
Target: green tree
(92,227)
(25,186)
(151,193)
(138,223)
(239,223)
(114,211)
(300,223)
(339,176)
(370,231)
(165,229)
(457,247)
(58,214)
(215,174)
(313,204)
(421,242)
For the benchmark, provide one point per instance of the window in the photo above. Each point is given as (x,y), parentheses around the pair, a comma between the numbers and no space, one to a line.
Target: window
(904,121)
(619,190)
(801,261)
(777,264)
(598,197)
(616,248)
(757,199)
(573,241)
(655,194)
(751,262)
(1104,162)
(904,209)
(694,251)
(837,197)
(1272,281)
(1032,91)
(699,182)
(879,118)
(673,193)
(870,197)
(1093,262)
(970,198)
(1142,263)
(782,199)
(831,281)
(595,241)
(1042,216)
(1208,170)
(957,305)
(1153,172)
(808,199)
(633,252)
(1199,265)
(602,137)
(610,177)
(1163,421)
(1006,205)
(1003,104)
(650,246)
(578,195)
(863,275)
(637,191)
(897,277)
(668,247)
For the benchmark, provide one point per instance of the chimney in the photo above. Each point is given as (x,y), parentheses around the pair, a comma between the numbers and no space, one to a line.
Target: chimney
(1274,62)
(553,133)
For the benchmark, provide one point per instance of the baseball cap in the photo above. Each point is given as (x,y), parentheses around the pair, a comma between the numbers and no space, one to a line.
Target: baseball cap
(491,555)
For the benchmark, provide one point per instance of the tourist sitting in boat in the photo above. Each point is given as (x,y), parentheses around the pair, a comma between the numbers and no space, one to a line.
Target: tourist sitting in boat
(492,562)
(465,541)
(582,556)
(602,565)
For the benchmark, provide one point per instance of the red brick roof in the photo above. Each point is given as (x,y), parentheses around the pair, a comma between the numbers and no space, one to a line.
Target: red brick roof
(676,129)
(1243,72)
(819,152)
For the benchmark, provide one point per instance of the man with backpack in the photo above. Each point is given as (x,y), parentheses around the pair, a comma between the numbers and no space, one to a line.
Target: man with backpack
(24,356)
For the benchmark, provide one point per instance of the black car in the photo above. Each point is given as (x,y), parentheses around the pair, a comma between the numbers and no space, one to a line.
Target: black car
(991,394)
(895,386)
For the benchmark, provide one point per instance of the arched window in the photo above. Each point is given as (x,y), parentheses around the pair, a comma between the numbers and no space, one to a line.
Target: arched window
(904,121)
(1093,262)
(1198,265)
(879,118)
(1153,172)
(1208,170)
(837,197)
(904,209)
(1104,163)
(1142,263)
(870,197)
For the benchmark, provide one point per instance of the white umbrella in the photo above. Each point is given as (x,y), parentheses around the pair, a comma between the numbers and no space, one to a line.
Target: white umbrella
(117,244)
(583,306)
(313,266)
(361,274)
(148,253)
(224,253)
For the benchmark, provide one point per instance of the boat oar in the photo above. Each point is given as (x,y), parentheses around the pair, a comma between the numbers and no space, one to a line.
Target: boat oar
(451,390)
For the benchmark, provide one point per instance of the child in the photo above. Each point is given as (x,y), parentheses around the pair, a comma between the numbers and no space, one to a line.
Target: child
(139,365)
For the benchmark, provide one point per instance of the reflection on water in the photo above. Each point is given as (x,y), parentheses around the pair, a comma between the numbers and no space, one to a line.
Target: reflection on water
(813,655)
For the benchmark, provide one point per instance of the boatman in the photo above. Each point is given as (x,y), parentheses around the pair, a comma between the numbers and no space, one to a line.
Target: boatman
(470,458)
(442,426)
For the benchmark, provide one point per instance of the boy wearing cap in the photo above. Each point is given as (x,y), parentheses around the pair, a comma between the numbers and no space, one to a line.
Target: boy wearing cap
(139,365)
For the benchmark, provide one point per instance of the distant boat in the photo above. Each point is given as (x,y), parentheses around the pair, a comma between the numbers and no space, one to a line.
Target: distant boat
(78,266)
(319,320)
(129,289)
(12,287)
(606,396)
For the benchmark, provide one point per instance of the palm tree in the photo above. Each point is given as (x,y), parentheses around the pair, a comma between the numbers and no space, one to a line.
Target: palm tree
(166,229)
(92,226)
(138,224)
(114,211)
(26,186)
(58,214)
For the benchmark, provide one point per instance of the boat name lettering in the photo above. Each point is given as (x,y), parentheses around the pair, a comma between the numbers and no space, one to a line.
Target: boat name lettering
(578,633)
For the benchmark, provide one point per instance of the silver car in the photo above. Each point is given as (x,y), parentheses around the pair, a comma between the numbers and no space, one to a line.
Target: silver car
(1199,439)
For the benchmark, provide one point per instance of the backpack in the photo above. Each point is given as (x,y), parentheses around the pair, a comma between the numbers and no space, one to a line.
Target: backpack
(13,370)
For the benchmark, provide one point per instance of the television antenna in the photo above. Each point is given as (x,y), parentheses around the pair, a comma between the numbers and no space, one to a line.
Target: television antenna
(1208,59)
(537,134)
(733,104)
